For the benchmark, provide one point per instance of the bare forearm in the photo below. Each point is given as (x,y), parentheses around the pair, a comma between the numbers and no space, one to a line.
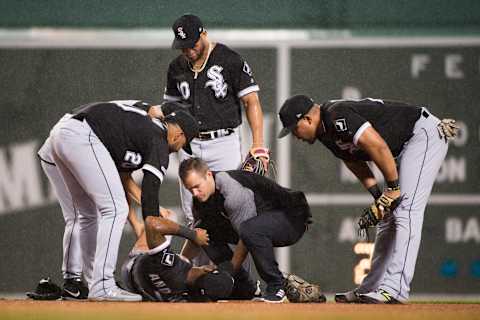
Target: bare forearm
(137,226)
(131,188)
(384,160)
(141,243)
(374,145)
(156,228)
(239,255)
(132,192)
(363,173)
(254,114)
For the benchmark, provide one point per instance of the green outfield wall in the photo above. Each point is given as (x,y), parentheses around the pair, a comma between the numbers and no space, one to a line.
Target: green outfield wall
(439,16)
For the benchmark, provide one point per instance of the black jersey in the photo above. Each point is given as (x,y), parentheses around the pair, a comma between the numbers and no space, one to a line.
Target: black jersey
(133,139)
(213,93)
(161,276)
(344,122)
(269,195)
(211,216)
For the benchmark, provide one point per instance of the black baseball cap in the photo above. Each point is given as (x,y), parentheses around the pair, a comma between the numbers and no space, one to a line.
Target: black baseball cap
(216,285)
(292,110)
(187,30)
(187,123)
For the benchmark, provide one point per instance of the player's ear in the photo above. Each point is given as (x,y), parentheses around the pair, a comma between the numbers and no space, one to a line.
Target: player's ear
(178,133)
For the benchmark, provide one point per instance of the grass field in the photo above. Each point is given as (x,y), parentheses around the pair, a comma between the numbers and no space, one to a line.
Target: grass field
(53,310)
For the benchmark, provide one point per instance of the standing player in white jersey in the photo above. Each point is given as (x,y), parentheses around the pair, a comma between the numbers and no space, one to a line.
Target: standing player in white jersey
(72,263)
(214,81)
(390,134)
(91,149)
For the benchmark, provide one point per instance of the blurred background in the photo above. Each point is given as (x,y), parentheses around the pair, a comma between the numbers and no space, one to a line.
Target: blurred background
(56,55)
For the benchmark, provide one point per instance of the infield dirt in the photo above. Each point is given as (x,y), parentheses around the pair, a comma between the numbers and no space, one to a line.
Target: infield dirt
(52,310)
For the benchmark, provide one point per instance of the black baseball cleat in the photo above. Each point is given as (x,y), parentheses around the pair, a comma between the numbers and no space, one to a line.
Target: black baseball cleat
(347,297)
(274,296)
(74,289)
(378,297)
(45,290)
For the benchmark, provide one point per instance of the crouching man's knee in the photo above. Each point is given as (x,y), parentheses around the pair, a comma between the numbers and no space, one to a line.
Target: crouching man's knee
(248,233)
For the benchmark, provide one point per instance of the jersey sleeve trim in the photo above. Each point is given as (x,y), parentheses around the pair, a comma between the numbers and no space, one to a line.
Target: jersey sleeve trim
(126,105)
(161,247)
(154,170)
(360,132)
(248,90)
(171,98)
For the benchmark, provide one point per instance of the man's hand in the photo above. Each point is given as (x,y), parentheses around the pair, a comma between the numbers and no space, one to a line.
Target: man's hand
(257,161)
(261,153)
(385,204)
(201,238)
(447,129)
(208,268)
(167,213)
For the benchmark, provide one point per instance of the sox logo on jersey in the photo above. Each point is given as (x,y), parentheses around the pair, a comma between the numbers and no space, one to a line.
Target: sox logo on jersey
(217,82)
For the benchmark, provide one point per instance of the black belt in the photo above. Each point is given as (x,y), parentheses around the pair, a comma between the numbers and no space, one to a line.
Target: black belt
(210,135)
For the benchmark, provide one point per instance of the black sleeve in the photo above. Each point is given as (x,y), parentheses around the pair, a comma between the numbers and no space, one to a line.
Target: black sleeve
(242,77)
(142,105)
(171,90)
(156,157)
(347,121)
(150,190)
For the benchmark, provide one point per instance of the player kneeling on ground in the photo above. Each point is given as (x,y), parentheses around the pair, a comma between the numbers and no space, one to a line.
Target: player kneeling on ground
(262,213)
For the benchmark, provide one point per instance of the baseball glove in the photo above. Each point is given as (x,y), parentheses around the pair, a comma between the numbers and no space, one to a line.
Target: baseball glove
(300,291)
(376,211)
(447,129)
(45,290)
(257,161)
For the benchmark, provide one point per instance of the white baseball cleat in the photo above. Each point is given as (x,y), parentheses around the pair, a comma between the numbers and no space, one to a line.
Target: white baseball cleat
(115,294)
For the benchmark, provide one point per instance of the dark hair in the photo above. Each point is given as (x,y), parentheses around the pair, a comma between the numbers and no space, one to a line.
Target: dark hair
(192,164)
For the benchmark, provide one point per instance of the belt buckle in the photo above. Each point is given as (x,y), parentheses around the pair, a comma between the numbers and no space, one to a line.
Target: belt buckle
(210,135)
(206,135)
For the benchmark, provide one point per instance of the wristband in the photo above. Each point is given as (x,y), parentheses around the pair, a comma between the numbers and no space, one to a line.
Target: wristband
(393,185)
(187,233)
(375,191)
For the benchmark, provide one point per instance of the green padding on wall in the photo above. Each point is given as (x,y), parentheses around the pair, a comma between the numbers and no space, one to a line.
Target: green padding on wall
(308,14)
